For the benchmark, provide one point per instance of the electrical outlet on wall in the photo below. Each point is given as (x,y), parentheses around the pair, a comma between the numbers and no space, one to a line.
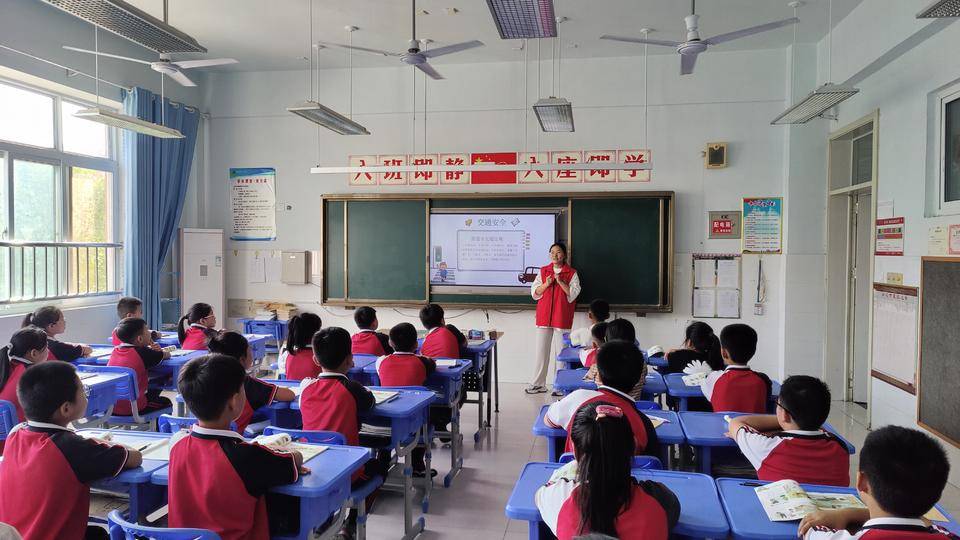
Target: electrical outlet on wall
(758,309)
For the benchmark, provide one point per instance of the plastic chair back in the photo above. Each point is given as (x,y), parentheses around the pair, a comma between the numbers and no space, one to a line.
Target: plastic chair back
(168,423)
(648,406)
(313,437)
(8,418)
(121,529)
(639,462)
(126,387)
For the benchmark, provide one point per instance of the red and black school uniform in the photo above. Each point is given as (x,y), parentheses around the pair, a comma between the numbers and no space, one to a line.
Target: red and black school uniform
(563,412)
(116,340)
(259,394)
(9,391)
(59,350)
(219,482)
(45,479)
(300,365)
(440,342)
(739,389)
(404,369)
(196,336)
(140,359)
(789,455)
(588,357)
(652,511)
(885,529)
(371,342)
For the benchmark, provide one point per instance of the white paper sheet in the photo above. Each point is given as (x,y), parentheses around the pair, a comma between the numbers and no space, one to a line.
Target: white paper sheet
(728,273)
(256,270)
(704,273)
(704,303)
(728,303)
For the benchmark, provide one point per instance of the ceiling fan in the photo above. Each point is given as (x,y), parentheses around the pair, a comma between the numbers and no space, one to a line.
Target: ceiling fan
(693,46)
(165,65)
(414,56)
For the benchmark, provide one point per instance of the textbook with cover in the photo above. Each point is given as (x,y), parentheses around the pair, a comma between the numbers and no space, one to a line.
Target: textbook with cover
(787,501)
(283,442)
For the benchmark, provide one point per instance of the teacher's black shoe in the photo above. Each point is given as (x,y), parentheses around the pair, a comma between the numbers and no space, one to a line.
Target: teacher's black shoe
(535,389)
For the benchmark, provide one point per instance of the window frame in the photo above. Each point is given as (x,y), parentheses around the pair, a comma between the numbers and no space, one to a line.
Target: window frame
(947,96)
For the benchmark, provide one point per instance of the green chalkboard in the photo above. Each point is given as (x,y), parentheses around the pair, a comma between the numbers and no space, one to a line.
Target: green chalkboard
(387,250)
(333,249)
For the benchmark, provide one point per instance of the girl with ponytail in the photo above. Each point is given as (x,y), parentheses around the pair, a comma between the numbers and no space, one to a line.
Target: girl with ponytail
(27,347)
(602,496)
(50,319)
(196,327)
(700,343)
(296,361)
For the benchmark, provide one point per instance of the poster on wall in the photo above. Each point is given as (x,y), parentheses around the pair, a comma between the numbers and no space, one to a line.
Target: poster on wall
(890,237)
(762,225)
(953,246)
(724,225)
(253,199)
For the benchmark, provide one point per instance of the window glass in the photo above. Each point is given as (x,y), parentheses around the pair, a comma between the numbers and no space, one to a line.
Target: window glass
(862,159)
(34,201)
(90,222)
(26,117)
(4,252)
(951,151)
(82,136)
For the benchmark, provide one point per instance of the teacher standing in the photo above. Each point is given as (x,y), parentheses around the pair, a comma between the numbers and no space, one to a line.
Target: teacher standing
(555,290)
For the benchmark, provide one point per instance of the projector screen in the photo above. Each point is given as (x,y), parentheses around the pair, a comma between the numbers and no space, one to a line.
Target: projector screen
(482,249)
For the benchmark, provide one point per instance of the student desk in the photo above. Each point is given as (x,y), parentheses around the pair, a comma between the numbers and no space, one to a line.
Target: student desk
(705,431)
(748,521)
(678,389)
(669,433)
(258,345)
(167,339)
(321,493)
(360,363)
(101,391)
(484,354)
(701,515)
(276,329)
(569,357)
(569,380)
(170,368)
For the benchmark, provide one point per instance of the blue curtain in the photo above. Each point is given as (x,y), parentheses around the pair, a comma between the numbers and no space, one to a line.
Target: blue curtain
(157,171)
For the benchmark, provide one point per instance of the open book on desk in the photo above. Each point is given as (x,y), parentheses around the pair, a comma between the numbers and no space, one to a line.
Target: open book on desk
(786,500)
(283,442)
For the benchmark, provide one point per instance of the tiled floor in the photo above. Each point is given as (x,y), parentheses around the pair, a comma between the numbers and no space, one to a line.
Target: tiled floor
(473,508)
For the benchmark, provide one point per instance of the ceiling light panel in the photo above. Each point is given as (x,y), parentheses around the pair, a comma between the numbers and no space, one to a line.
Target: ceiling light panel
(328,118)
(524,19)
(123,121)
(941,9)
(555,115)
(129,22)
(815,104)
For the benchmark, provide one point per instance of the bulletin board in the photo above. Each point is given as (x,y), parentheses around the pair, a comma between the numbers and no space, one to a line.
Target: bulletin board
(895,320)
(716,285)
(939,371)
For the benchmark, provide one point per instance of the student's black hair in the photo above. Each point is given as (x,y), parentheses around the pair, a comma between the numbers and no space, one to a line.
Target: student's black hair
(621,329)
(431,316)
(700,335)
(599,332)
(403,336)
(231,344)
(194,314)
(604,449)
(128,329)
(600,309)
(23,340)
(562,246)
(45,387)
(364,317)
(300,331)
(128,305)
(208,382)
(907,470)
(620,364)
(42,317)
(332,346)
(807,399)
(740,341)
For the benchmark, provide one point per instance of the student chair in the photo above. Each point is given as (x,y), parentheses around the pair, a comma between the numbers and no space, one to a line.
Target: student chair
(648,406)
(8,418)
(167,423)
(121,529)
(358,493)
(127,390)
(639,462)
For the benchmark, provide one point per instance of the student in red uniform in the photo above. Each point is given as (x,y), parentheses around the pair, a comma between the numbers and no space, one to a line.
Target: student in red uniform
(440,341)
(598,312)
(618,364)
(297,357)
(50,320)
(783,446)
(217,481)
(196,327)
(598,335)
(902,475)
(699,344)
(367,340)
(737,388)
(620,330)
(28,347)
(602,496)
(130,307)
(138,351)
(47,468)
(257,393)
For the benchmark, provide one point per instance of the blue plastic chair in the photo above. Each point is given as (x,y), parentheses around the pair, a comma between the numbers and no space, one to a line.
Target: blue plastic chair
(358,493)
(639,462)
(121,529)
(648,406)
(167,423)
(8,418)
(127,390)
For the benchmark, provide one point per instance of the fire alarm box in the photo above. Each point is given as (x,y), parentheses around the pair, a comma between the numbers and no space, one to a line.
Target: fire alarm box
(716,155)
(295,268)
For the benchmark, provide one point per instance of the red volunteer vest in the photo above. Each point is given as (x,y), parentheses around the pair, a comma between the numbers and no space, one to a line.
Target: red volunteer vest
(9,390)
(300,366)
(129,357)
(642,519)
(629,408)
(400,369)
(367,343)
(791,459)
(740,390)
(553,310)
(440,343)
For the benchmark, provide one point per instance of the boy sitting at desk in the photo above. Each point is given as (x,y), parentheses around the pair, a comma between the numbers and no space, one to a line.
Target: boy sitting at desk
(618,365)
(217,480)
(130,307)
(47,469)
(442,340)
(737,388)
(138,352)
(902,475)
(795,439)
(368,340)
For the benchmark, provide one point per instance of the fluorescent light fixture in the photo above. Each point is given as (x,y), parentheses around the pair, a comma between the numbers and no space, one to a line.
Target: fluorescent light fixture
(123,121)
(520,19)
(940,9)
(129,22)
(818,102)
(328,118)
(555,114)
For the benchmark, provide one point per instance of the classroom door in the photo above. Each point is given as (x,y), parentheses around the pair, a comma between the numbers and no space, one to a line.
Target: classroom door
(859,301)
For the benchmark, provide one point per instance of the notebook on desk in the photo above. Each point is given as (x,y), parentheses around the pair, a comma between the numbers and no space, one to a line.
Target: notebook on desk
(446,362)
(383,396)
(87,375)
(475,342)
(282,442)
(150,447)
(180,352)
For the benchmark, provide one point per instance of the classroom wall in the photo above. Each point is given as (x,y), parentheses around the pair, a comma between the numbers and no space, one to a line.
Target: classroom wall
(731,97)
(85,324)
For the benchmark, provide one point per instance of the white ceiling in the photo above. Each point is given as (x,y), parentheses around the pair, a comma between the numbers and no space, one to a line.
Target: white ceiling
(274,34)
